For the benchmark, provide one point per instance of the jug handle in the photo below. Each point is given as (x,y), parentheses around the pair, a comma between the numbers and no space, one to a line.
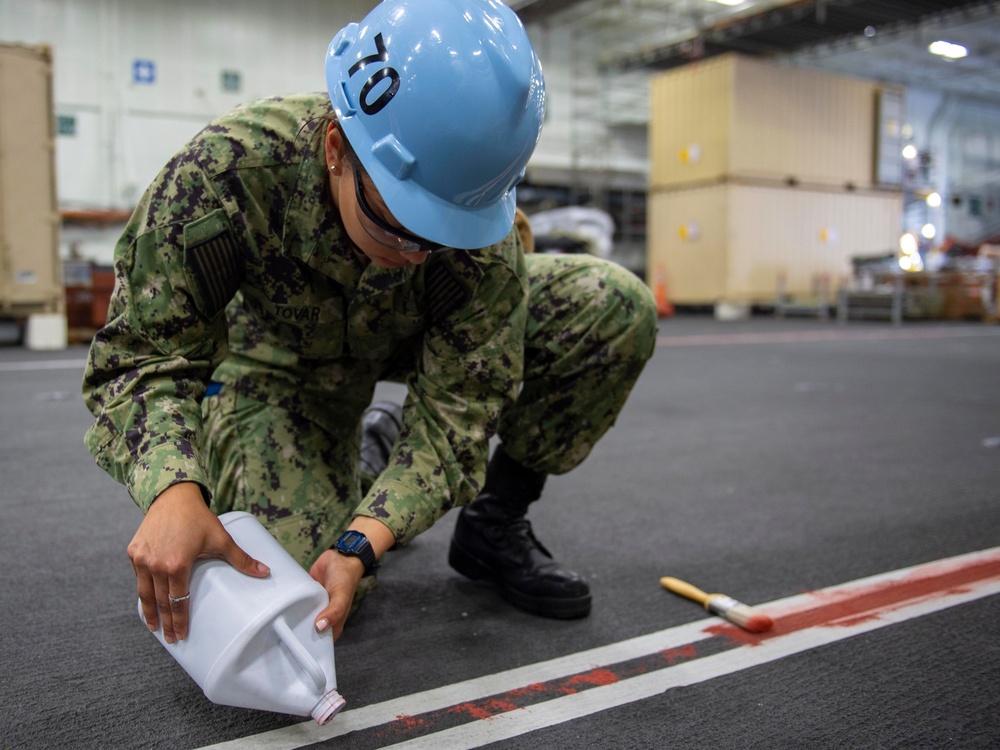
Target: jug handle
(300,654)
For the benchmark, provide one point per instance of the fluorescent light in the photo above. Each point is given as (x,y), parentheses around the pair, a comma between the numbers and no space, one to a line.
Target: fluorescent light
(949,50)
(729,2)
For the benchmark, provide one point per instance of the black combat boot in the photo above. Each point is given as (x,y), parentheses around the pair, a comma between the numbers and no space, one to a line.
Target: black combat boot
(380,426)
(493,542)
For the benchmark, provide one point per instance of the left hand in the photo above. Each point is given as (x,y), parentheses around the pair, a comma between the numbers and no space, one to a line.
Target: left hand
(340,574)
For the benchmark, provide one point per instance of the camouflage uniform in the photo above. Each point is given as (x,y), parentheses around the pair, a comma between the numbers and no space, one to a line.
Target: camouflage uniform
(235,268)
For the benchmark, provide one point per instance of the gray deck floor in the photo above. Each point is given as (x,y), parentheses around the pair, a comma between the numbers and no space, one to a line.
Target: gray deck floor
(763,458)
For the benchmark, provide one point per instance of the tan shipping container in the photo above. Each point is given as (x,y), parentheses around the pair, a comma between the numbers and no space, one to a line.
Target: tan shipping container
(736,117)
(733,242)
(30,276)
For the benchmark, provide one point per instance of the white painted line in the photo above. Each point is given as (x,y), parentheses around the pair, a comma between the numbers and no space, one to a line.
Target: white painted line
(44,364)
(920,600)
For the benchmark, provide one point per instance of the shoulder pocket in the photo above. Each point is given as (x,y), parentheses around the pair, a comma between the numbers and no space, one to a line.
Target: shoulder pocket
(213,262)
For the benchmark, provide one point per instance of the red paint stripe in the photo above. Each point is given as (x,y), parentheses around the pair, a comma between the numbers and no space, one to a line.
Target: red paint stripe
(405,726)
(848,607)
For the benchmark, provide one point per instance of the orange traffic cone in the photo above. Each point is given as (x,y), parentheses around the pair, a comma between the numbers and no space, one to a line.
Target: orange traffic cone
(664,308)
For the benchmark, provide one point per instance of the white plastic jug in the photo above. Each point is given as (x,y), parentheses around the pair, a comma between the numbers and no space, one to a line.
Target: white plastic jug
(251,642)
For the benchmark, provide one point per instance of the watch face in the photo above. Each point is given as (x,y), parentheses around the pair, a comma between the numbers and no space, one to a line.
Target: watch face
(351,541)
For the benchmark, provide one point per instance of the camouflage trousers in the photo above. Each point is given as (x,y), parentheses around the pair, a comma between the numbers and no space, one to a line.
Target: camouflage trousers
(591,328)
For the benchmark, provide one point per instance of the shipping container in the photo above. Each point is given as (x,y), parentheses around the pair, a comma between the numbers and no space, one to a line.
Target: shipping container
(741,243)
(736,117)
(30,273)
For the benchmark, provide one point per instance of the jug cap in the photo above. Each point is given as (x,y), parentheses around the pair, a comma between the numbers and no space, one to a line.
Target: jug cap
(328,707)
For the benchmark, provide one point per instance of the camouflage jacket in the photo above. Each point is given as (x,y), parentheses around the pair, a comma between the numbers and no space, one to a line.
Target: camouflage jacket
(235,267)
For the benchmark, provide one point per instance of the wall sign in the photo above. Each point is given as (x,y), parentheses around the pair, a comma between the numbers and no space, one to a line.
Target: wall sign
(231,80)
(143,71)
(66,124)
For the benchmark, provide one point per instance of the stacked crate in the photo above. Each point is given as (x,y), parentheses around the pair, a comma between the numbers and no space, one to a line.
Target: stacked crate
(763,178)
(30,280)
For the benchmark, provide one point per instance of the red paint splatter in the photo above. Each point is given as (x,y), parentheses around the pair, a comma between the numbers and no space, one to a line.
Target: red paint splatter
(528,690)
(684,653)
(408,723)
(484,709)
(594,677)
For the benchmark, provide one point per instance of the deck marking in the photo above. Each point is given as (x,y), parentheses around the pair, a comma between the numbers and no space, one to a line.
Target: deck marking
(828,334)
(708,339)
(476,712)
(44,364)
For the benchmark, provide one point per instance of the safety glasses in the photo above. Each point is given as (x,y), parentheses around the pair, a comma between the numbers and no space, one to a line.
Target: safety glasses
(382,231)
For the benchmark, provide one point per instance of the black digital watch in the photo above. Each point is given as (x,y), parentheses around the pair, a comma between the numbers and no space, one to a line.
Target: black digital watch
(355,544)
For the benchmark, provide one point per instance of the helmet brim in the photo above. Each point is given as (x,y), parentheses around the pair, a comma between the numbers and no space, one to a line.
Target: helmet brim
(426,215)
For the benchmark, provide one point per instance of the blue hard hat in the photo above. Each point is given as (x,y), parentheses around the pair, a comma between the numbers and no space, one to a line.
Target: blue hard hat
(443,101)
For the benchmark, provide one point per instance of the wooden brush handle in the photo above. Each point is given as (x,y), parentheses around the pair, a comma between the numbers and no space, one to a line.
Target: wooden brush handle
(684,589)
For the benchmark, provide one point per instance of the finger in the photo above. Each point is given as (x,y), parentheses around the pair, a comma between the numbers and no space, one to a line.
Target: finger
(162,586)
(180,602)
(239,559)
(333,617)
(147,599)
(318,573)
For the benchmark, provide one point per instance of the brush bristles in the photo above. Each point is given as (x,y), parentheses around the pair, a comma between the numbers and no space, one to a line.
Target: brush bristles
(739,614)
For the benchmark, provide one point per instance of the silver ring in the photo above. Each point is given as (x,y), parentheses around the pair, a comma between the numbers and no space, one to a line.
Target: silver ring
(175,599)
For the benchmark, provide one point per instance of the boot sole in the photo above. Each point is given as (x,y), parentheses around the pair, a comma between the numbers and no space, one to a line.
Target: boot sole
(559,608)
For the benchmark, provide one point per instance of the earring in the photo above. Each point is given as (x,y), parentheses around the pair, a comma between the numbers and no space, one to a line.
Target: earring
(333,168)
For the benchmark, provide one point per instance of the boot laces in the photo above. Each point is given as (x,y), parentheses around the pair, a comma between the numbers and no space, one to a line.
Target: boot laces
(521,535)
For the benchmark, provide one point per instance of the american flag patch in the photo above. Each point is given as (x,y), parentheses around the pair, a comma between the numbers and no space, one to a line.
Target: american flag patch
(215,266)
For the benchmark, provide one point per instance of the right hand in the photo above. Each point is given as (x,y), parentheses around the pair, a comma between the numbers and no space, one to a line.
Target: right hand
(178,529)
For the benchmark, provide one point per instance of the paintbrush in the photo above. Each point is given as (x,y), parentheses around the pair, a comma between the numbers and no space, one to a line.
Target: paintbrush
(719,604)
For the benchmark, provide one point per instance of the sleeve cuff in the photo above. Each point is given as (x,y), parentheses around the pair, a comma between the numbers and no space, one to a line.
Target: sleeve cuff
(164,466)
(405,512)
